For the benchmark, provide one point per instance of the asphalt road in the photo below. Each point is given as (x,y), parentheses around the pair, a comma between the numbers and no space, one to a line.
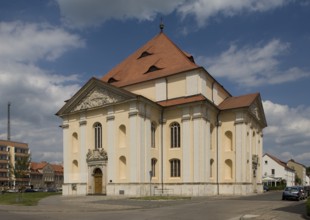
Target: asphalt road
(265,206)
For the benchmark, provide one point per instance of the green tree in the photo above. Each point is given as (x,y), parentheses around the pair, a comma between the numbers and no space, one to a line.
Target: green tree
(21,168)
(297,180)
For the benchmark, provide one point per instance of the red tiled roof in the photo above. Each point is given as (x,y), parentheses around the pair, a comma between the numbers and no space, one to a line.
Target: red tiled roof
(238,101)
(158,58)
(182,100)
(58,168)
(280,162)
(37,166)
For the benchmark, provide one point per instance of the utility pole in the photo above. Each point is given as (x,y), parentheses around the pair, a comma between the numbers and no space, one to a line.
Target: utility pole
(9,127)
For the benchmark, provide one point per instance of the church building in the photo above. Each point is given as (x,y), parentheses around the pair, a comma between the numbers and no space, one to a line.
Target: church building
(158,123)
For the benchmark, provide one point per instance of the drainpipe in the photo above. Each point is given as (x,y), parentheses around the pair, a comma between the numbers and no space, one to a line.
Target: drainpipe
(162,148)
(217,151)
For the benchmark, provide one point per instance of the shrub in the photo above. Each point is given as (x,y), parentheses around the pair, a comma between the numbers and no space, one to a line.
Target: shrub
(308,206)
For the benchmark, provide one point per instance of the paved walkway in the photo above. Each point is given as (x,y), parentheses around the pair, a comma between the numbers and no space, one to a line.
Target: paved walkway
(59,203)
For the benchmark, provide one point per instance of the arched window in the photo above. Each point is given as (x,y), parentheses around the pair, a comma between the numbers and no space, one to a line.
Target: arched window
(98,135)
(211,168)
(153,132)
(212,137)
(175,134)
(228,169)
(153,167)
(175,168)
(228,141)
(122,136)
(122,167)
(75,169)
(75,142)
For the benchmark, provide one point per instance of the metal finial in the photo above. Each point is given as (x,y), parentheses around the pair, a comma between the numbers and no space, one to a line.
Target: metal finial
(161,26)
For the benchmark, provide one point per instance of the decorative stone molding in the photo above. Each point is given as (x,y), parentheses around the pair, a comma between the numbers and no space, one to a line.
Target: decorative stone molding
(98,97)
(64,126)
(110,117)
(133,112)
(83,123)
(96,155)
(186,117)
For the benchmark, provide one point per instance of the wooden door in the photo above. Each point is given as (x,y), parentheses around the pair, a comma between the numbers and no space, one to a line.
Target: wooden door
(98,181)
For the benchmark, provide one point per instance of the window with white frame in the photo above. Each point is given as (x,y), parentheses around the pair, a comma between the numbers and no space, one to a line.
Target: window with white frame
(98,135)
(175,135)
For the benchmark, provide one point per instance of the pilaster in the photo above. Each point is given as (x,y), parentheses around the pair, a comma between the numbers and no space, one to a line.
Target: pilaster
(82,150)
(111,144)
(186,136)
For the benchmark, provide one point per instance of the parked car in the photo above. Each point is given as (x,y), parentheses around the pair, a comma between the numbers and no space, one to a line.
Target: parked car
(29,190)
(51,190)
(293,192)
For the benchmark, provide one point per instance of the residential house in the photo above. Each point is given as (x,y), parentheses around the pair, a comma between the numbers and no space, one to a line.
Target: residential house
(44,175)
(300,170)
(14,161)
(275,171)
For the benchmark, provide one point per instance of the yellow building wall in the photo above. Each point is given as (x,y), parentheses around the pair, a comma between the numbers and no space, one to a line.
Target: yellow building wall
(146,89)
(176,86)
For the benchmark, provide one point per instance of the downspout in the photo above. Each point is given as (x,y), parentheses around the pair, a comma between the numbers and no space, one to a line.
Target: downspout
(162,148)
(162,139)
(217,151)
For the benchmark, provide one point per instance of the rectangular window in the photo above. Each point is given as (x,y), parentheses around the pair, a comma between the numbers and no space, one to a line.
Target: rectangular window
(272,172)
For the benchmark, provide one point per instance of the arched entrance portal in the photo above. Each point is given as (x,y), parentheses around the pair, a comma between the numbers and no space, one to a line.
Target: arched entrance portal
(98,180)
(97,171)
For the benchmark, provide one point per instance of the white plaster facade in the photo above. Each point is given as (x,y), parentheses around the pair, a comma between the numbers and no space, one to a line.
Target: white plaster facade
(203,141)
(275,170)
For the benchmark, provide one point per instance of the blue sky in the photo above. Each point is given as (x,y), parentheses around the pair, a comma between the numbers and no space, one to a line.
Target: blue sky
(49,49)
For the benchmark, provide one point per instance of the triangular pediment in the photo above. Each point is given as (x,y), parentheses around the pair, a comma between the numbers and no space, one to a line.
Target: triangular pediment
(94,94)
(257,111)
(98,97)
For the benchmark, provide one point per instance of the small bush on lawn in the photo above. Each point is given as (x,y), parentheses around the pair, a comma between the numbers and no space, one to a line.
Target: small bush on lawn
(308,206)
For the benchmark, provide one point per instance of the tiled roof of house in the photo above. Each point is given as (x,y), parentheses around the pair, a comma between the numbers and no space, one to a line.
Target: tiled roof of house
(58,168)
(293,161)
(280,162)
(182,100)
(238,101)
(37,166)
(158,58)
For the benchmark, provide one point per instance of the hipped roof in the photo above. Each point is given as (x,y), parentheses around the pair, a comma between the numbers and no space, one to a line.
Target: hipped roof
(159,57)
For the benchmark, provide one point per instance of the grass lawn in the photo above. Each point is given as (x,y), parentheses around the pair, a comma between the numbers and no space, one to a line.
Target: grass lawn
(162,198)
(26,199)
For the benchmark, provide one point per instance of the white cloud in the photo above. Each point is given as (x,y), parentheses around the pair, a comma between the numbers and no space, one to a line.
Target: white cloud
(203,10)
(29,42)
(287,131)
(35,94)
(81,13)
(250,66)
